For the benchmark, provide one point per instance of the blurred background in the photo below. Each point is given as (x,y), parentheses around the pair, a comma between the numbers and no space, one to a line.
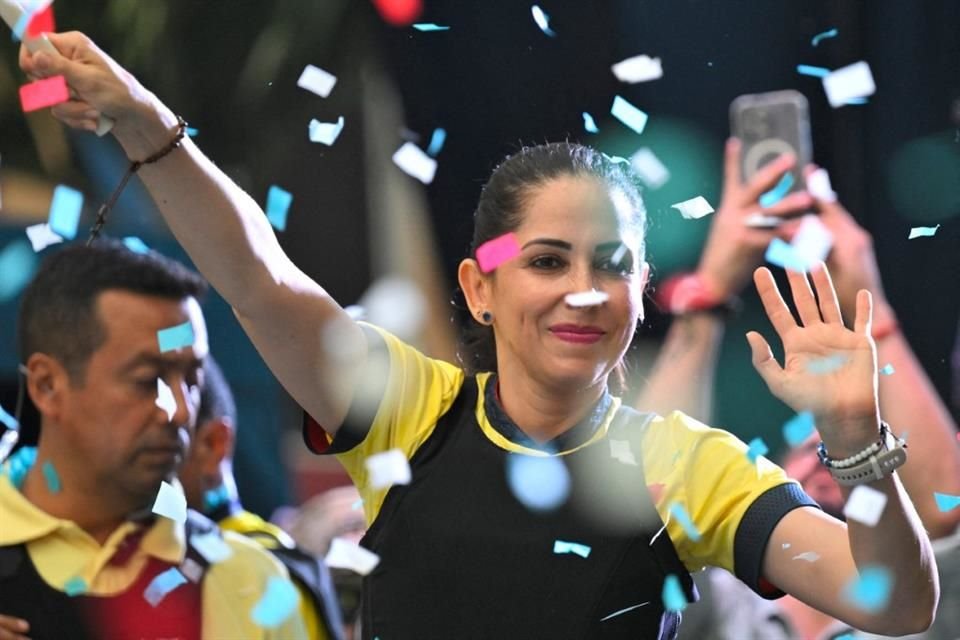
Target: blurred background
(494,81)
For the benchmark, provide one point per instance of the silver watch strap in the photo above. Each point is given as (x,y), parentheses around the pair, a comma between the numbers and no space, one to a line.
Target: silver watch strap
(874,468)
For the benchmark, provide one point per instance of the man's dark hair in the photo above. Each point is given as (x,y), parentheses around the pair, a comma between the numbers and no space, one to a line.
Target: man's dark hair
(58,312)
(216,398)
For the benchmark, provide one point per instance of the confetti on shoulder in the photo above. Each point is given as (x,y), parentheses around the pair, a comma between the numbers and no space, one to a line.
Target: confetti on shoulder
(693,208)
(317,80)
(493,253)
(278,602)
(592,298)
(387,469)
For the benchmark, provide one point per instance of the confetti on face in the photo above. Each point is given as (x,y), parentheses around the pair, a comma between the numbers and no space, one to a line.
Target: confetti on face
(135,244)
(51,477)
(649,168)
(170,503)
(823,366)
(865,505)
(818,185)
(399,13)
(946,502)
(387,469)
(539,483)
(317,80)
(640,68)
(830,33)
(887,370)
(847,83)
(673,597)
(42,236)
(816,72)
(176,337)
(807,556)
(922,232)
(325,132)
(623,611)
(278,205)
(65,209)
(561,547)
(437,139)
(591,298)
(429,26)
(620,450)
(588,123)
(415,163)
(211,546)
(492,253)
(344,554)
(628,114)
(678,512)
(693,208)
(777,194)
(755,449)
(44,93)
(17,264)
(798,428)
(542,20)
(870,591)
(163,584)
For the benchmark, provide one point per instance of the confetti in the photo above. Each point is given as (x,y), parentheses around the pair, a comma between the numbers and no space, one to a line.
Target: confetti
(812,241)
(798,428)
(347,555)
(399,13)
(760,221)
(830,33)
(163,584)
(678,512)
(649,168)
(822,366)
(622,611)
(211,546)
(589,124)
(887,370)
(846,636)
(591,298)
(492,253)
(621,450)
(17,264)
(43,93)
(673,597)
(640,68)
(437,138)
(783,255)
(357,505)
(777,194)
(387,469)
(278,205)
(325,132)
(397,305)
(175,337)
(807,556)
(946,502)
(628,114)
(414,162)
(693,208)
(51,477)
(539,483)
(170,503)
(846,83)
(429,26)
(278,602)
(559,547)
(542,20)
(871,590)
(65,209)
(42,236)
(317,80)
(165,399)
(756,448)
(865,505)
(7,442)
(785,545)
(75,586)
(193,133)
(922,232)
(8,420)
(816,72)
(818,185)
(192,570)
(619,254)
(135,244)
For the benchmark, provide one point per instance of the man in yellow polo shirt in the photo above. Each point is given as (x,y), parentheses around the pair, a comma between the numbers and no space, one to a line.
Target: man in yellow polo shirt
(113,343)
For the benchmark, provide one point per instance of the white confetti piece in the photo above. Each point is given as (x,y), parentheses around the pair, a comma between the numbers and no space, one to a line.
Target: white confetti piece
(347,555)
(211,546)
(591,298)
(387,469)
(171,503)
(848,83)
(396,304)
(807,556)
(865,505)
(415,162)
(760,221)
(42,236)
(640,68)
(812,241)
(163,584)
(562,547)
(542,20)
(648,166)
(922,232)
(317,80)
(325,132)
(818,185)
(165,399)
(620,450)
(693,208)
(628,114)
(191,569)
(785,545)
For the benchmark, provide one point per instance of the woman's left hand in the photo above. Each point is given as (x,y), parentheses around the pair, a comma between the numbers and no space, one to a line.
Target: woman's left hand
(828,369)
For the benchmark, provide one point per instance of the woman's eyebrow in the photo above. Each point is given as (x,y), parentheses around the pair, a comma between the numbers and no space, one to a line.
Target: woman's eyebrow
(551,242)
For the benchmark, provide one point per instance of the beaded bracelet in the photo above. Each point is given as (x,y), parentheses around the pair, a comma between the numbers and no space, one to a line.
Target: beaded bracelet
(844,463)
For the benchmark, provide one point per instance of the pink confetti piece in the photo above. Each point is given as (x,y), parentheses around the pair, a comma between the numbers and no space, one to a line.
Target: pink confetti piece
(44,93)
(493,253)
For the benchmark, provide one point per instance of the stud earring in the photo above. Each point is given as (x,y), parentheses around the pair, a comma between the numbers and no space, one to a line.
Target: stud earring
(486,317)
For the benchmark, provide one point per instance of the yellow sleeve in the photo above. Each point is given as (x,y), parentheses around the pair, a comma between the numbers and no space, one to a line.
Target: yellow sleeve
(708,473)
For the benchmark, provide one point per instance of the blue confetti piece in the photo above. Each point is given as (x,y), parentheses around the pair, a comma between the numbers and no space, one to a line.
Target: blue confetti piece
(560,546)
(542,20)
(798,428)
(175,337)
(628,114)
(830,33)
(211,546)
(278,204)
(856,101)
(429,26)
(162,585)
(776,194)
(589,124)
(922,232)
(279,601)
(756,448)
(784,255)
(846,636)
(821,366)
(871,590)
(21,26)
(75,586)
(887,370)
(8,420)
(673,596)
(816,72)
(193,133)
(357,504)
(946,502)
(135,244)
(65,209)
(17,264)
(678,512)
(51,477)
(540,484)
(436,141)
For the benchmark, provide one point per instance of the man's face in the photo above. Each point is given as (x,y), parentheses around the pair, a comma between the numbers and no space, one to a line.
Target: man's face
(112,420)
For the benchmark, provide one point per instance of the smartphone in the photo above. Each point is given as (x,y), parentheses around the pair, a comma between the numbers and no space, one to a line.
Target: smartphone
(771,124)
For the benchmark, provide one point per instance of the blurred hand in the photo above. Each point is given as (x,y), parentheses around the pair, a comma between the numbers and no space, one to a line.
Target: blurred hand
(13,628)
(332,514)
(733,249)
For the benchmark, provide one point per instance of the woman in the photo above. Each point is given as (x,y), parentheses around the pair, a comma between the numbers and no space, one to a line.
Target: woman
(459,555)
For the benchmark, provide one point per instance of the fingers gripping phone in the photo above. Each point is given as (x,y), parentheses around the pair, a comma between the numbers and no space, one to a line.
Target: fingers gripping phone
(771,124)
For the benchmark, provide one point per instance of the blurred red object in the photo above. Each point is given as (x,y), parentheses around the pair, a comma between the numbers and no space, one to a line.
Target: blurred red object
(399,13)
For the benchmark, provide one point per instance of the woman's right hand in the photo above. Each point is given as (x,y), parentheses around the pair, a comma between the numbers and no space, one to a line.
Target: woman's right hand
(13,628)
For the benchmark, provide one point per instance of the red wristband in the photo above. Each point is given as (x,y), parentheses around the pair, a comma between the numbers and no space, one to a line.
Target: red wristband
(686,293)
(881,331)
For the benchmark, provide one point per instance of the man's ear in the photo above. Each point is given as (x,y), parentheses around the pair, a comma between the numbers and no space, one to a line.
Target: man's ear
(47,385)
(475,286)
(214,444)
